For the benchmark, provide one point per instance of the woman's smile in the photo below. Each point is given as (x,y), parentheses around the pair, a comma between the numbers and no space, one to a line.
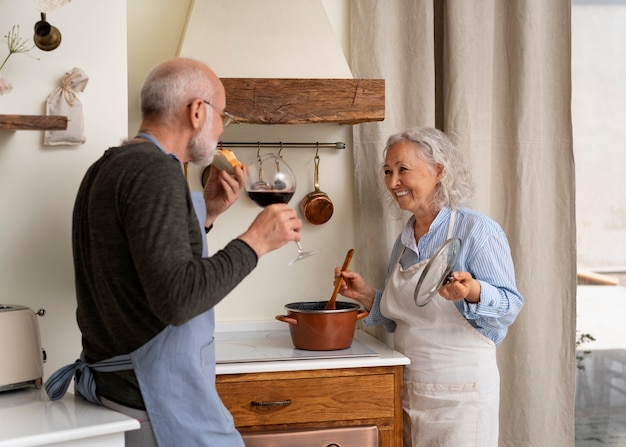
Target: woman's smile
(404,192)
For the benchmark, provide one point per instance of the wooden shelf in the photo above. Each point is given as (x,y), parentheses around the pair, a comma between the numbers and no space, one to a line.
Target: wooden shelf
(33,122)
(305,101)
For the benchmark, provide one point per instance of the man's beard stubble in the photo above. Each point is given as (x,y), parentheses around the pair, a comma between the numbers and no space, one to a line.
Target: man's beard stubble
(203,147)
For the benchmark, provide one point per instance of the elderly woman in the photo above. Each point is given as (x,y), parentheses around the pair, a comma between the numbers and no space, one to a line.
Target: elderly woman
(452,386)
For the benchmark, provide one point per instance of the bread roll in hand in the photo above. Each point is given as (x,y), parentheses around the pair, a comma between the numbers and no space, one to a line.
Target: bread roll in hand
(225,160)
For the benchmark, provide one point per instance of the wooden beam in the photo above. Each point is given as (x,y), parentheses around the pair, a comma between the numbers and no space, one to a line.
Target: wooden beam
(33,122)
(305,101)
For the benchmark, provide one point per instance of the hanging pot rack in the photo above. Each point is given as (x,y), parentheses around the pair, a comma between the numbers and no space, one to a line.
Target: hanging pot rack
(263,144)
(281,145)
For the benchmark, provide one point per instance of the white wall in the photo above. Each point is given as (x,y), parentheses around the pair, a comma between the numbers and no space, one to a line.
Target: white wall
(598,110)
(38,183)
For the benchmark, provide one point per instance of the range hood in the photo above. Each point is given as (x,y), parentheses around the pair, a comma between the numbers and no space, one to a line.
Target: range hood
(280,62)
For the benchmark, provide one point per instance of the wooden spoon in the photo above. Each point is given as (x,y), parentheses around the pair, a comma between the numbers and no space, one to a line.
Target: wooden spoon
(331,303)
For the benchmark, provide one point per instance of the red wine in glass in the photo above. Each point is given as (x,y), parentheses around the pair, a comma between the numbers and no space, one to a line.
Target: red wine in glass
(271,180)
(264,198)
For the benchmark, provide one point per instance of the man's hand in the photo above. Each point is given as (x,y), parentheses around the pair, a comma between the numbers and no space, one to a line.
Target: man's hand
(273,227)
(221,191)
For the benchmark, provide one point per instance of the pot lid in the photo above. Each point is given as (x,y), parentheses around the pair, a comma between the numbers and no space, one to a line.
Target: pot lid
(437,271)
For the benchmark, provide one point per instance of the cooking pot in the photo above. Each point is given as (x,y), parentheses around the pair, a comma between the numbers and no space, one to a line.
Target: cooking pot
(21,355)
(314,328)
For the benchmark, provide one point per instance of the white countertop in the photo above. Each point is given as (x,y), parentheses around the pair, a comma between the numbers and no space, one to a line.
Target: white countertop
(386,356)
(29,418)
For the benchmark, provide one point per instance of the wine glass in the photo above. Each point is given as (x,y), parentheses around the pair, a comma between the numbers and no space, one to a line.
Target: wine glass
(271,180)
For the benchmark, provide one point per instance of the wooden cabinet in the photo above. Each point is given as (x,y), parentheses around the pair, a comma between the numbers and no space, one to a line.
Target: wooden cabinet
(325,398)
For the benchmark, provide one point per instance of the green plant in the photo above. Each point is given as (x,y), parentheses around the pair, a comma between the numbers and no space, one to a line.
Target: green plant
(16,44)
(580,355)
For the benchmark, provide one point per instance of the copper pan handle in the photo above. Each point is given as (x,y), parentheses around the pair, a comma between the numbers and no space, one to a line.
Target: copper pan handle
(362,314)
(286,319)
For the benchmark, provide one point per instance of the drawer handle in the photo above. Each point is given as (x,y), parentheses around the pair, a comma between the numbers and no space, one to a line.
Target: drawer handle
(278,403)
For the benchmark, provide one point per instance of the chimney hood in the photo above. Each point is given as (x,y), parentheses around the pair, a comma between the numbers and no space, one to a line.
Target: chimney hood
(280,62)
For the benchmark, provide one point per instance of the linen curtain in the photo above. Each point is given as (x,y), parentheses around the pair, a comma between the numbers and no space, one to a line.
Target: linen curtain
(495,76)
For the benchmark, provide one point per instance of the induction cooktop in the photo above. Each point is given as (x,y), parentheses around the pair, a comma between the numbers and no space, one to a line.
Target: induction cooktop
(274,345)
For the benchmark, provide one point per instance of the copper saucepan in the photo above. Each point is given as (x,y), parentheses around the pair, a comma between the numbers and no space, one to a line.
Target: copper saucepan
(314,328)
(316,206)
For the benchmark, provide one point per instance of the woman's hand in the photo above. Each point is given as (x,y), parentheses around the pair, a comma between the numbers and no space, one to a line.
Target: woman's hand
(353,286)
(461,286)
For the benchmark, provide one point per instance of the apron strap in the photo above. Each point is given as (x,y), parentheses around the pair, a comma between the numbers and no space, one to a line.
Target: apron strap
(58,383)
(450,232)
(451,224)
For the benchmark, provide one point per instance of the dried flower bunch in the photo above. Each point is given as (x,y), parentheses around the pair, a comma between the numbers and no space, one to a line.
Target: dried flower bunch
(16,44)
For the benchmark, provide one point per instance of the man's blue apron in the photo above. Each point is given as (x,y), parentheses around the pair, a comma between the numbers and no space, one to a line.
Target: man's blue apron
(176,374)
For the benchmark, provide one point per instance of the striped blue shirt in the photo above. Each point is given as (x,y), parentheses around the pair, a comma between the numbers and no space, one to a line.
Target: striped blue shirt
(484,253)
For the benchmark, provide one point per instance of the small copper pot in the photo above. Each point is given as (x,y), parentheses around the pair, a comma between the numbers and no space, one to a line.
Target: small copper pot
(316,206)
(314,328)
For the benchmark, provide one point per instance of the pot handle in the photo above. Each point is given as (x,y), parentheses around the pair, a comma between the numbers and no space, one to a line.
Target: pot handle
(362,314)
(286,319)
(316,173)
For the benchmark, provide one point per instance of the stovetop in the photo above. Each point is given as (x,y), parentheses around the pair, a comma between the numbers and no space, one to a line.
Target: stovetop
(274,345)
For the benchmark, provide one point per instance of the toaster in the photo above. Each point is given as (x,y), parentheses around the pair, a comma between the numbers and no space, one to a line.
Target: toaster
(21,354)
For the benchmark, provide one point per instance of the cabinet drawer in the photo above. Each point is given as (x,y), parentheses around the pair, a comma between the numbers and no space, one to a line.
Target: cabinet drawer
(309,399)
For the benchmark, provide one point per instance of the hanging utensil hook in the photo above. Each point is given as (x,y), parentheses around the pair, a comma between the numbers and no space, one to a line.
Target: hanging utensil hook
(316,159)
(258,157)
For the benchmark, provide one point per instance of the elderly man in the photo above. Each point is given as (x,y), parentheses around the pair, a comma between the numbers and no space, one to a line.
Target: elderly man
(145,290)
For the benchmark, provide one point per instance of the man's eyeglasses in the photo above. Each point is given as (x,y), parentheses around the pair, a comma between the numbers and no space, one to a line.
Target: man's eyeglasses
(227,118)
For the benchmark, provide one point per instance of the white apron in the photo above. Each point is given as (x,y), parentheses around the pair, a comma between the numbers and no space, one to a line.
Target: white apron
(451,388)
